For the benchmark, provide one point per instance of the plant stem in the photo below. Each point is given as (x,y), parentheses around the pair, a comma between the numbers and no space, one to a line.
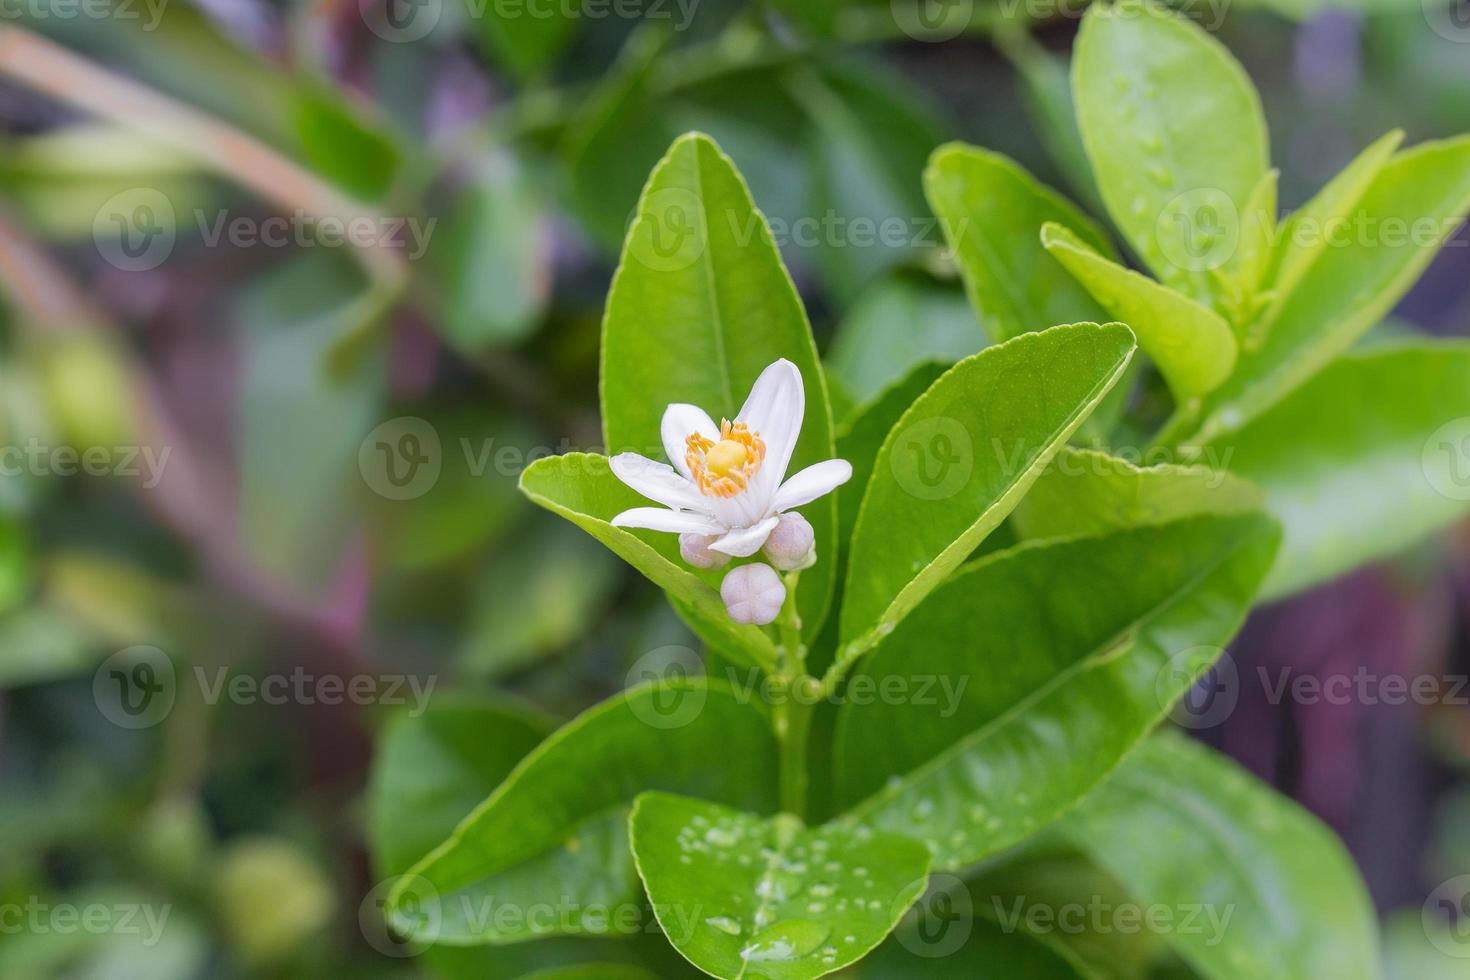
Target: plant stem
(793,712)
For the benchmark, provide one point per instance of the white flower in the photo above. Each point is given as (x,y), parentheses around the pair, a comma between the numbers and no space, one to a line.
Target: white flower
(726,482)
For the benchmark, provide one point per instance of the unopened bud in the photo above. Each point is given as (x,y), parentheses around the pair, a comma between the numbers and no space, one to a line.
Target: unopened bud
(792,544)
(753,594)
(695,549)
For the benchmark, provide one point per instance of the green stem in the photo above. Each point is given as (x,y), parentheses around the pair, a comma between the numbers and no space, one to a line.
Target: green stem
(793,712)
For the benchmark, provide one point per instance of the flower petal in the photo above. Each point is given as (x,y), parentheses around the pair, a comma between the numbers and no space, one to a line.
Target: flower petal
(811,483)
(679,422)
(659,519)
(745,541)
(657,481)
(774,409)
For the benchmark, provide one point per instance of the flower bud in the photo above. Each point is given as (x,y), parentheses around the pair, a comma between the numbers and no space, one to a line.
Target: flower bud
(753,594)
(695,549)
(792,544)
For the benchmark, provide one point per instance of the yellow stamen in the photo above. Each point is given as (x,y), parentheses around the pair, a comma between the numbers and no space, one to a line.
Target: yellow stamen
(724,468)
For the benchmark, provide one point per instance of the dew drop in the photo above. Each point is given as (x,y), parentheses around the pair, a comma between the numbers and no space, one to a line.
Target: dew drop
(788,939)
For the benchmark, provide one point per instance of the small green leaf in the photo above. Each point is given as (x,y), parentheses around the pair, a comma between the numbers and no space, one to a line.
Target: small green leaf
(1365,459)
(1089,492)
(433,769)
(700,305)
(902,320)
(581,487)
(960,459)
(1192,345)
(991,210)
(1176,136)
(742,896)
(1413,204)
(1181,827)
(1302,240)
(554,833)
(1046,665)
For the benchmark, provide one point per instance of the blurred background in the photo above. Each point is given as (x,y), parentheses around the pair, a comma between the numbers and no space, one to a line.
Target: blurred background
(293,290)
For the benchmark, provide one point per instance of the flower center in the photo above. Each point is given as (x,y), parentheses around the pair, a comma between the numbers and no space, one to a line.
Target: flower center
(724,468)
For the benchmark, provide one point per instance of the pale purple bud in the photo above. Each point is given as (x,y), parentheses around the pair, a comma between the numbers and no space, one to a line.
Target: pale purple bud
(792,544)
(695,549)
(753,594)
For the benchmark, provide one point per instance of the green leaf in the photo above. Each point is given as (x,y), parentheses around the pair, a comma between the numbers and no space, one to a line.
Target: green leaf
(1418,199)
(1089,492)
(581,487)
(902,320)
(991,211)
(1182,827)
(1365,459)
(553,835)
(700,305)
(1085,644)
(433,769)
(990,425)
(1302,241)
(490,259)
(988,951)
(1192,345)
(1174,130)
(341,145)
(741,896)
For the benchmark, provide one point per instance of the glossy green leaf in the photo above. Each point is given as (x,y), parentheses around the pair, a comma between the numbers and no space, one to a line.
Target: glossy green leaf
(1084,491)
(1192,345)
(992,211)
(1302,238)
(553,835)
(1183,827)
(581,488)
(1365,459)
(960,459)
(1176,136)
(1414,203)
(433,769)
(901,321)
(1045,665)
(742,896)
(859,440)
(700,305)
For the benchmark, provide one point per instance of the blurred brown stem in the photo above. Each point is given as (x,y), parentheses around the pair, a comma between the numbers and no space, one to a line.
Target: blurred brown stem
(51,69)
